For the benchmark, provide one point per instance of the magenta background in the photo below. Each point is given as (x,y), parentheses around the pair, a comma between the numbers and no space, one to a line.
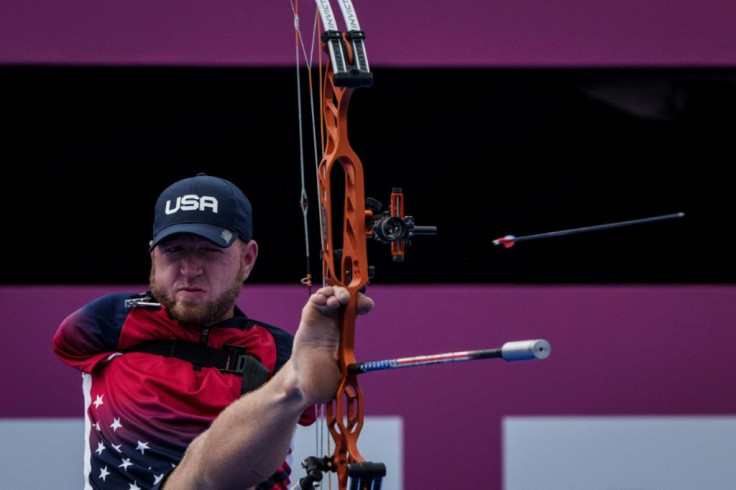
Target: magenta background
(400,33)
(616,350)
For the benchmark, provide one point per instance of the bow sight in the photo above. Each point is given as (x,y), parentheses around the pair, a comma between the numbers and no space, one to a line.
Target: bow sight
(391,227)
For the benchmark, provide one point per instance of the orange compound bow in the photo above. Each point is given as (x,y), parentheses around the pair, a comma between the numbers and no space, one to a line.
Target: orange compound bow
(344,252)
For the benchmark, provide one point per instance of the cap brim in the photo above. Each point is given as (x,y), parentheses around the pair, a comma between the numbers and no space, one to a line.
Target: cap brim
(219,236)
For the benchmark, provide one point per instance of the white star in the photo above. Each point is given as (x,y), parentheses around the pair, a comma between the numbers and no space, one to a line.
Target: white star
(97,426)
(125,463)
(100,448)
(117,447)
(134,486)
(98,401)
(116,424)
(158,478)
(142,446)
(104,473)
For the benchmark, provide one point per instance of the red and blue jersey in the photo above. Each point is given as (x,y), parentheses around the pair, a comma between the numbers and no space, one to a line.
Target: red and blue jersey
(142,410)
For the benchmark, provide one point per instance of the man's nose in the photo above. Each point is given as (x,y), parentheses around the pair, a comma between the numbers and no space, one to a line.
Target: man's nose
(191,264)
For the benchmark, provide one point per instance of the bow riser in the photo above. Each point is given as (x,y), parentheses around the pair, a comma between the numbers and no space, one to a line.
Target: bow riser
(347,267)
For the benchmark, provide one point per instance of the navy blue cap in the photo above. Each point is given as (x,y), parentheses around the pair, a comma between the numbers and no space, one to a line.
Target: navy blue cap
(211,207)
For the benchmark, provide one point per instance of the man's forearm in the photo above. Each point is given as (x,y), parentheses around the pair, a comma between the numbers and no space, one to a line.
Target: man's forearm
(247,442)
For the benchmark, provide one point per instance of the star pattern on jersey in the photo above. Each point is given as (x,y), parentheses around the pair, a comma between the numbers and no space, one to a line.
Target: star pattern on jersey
(116,424)
(142,446)
(98,401)
(128,463)
(124,465)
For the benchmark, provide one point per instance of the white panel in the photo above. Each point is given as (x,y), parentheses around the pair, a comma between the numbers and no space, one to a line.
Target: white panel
(619,453)
(41,453)
(48,453)
(381,440)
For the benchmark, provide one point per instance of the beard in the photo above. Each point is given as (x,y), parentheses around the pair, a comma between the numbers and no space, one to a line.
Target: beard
(187,311)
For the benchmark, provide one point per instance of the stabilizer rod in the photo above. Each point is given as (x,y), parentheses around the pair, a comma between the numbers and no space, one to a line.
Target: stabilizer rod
(522,350)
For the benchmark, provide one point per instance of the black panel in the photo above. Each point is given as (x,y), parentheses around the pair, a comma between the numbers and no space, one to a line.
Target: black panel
(478,153)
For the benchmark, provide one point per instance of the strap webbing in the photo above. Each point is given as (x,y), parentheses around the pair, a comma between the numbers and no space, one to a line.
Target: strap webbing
(230,359)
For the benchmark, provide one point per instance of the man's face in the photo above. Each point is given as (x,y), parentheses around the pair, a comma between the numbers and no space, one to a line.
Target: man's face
(197,281)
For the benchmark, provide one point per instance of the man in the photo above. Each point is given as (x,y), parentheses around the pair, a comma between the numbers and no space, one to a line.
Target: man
(182,390)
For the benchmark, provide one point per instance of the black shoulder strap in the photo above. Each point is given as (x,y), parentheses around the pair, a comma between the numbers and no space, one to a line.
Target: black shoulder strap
(230,359)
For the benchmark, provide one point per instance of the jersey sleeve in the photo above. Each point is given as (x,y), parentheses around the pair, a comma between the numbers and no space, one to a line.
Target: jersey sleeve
(89,336)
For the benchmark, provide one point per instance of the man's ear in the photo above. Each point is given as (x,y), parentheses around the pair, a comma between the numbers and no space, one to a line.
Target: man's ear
(249,254)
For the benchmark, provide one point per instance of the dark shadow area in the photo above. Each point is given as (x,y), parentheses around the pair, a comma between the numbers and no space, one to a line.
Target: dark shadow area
(478,153)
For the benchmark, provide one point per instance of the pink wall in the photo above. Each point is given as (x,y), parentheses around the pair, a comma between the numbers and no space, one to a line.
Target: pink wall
(431,33)
(616,350)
